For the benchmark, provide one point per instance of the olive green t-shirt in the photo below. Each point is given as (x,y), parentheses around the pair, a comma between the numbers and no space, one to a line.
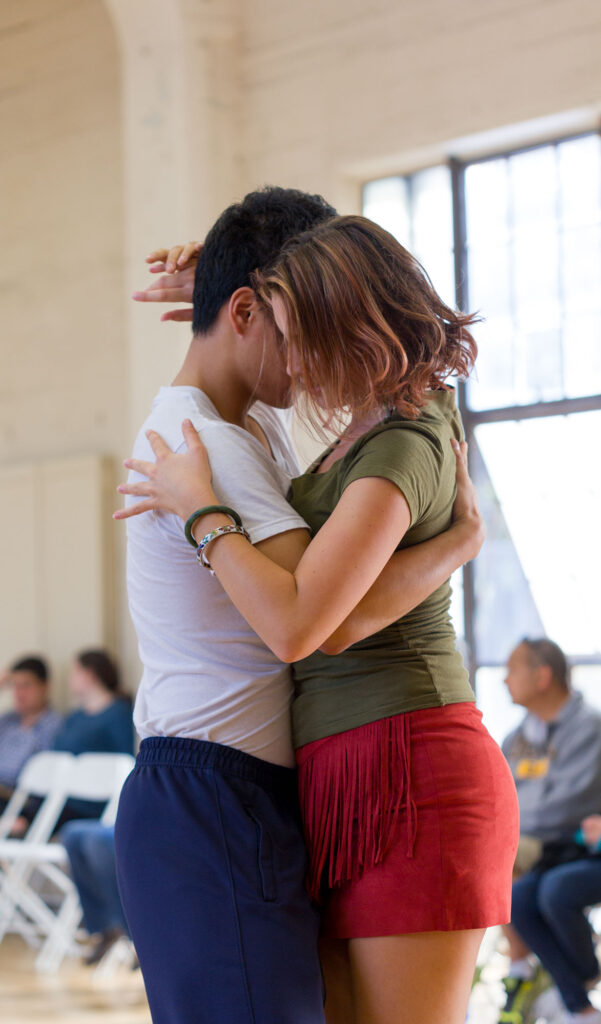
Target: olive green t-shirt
(413,663)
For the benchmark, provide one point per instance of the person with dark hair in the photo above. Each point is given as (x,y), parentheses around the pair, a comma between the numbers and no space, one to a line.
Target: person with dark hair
(102,722)
(209,844)
(32,726)
(409,809)
(555,759)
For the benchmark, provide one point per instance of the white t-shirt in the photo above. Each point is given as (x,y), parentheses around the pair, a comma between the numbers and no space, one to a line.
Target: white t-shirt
(207,675)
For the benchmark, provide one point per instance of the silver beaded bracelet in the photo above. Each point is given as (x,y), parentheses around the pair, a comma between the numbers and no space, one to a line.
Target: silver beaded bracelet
(221,531)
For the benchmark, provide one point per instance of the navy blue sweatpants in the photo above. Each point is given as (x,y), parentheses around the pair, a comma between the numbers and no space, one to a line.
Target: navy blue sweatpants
(211,865)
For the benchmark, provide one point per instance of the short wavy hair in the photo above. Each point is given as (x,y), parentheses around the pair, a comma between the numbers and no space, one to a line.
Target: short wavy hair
(367,325)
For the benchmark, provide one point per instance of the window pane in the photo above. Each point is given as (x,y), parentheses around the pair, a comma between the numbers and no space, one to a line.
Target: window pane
(540,567)
(456,610)
(387,203)
(587,679)
(432,235)
(534,266)
(418,211)
(579,177)
(499,714)
(582,353)
(487,192)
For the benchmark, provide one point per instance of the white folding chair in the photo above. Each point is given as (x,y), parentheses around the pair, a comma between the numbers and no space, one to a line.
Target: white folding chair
(97,777)
(45,777)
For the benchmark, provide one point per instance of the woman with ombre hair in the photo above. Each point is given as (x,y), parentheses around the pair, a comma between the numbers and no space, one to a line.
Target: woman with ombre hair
(409,808)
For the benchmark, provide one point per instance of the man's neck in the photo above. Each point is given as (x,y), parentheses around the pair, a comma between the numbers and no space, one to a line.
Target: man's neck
(209,366)
(551,706)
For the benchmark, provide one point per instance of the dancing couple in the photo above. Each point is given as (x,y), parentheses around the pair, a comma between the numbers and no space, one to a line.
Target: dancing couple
(405,803)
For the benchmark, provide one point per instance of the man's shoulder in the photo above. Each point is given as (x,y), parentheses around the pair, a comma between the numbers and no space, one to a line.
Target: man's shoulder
(8,719)
(170,407)
(582,717)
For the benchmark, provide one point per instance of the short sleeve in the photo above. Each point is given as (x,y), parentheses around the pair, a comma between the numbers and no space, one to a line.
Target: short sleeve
(407,458)
(246,478)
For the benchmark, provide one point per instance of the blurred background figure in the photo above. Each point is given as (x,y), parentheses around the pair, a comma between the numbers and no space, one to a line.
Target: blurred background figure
(102,720)
(33,724)
(555,759)
(90,846)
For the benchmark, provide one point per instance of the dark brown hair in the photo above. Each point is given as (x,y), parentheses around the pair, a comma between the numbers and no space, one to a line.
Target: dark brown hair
(104,668)
(365,321)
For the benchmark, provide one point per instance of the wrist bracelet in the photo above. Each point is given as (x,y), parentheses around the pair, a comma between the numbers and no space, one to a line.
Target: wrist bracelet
(221,531)
(224,509)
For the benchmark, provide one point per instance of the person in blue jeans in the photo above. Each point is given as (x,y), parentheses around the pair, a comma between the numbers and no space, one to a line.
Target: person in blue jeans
(549,913)
(90,847)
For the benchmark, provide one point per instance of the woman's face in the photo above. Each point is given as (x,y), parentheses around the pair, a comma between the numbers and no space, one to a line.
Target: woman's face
(281,322)
(81,681)
(293,363)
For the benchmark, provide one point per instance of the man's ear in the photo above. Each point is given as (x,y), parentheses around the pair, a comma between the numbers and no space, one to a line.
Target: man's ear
(243,308)
(544,678)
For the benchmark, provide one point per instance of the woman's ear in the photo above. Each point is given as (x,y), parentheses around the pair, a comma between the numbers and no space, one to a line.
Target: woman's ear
(243,308)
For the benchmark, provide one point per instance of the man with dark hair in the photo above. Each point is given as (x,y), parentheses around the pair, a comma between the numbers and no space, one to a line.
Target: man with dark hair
(246,237)
(31,726)
(555,759)
(210,855)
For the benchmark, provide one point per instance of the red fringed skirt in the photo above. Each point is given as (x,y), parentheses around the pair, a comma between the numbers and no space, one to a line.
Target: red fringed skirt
(411,824)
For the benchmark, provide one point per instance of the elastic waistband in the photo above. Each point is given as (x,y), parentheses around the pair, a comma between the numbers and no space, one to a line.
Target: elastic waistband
(179,752)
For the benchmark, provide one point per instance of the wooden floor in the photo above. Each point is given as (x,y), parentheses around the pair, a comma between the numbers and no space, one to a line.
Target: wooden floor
(74,995)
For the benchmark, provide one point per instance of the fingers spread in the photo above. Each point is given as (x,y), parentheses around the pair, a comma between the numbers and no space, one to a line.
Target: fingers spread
(189,252)
(179,315)
(133,510)
(158,445)
(139,488)
(157,254)
(139,466)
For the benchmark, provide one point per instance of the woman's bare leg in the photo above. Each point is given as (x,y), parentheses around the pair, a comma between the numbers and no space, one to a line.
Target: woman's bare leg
(413,979)
(336,966)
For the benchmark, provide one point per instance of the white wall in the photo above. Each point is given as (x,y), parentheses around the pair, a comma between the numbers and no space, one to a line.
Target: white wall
(334,91)
(63,380)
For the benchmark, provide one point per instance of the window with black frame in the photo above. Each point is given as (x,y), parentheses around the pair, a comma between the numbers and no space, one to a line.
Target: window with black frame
(517,236)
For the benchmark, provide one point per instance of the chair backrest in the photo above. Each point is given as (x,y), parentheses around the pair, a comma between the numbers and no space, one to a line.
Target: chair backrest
(45,776)
(100,777)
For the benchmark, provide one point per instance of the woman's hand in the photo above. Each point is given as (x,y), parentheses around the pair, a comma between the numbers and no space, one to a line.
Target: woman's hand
(178,482)
(591,829)
(179,266)
(466,514)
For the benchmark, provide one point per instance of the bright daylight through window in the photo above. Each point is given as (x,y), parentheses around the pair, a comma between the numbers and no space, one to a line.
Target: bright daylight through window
(517,237)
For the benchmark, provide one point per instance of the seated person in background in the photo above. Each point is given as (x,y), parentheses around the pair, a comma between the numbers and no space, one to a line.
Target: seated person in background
(555,759)
(103,722)
(549,914)
(90,847)
(31,727)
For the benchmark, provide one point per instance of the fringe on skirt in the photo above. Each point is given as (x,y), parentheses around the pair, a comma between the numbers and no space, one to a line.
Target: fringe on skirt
(352,788)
